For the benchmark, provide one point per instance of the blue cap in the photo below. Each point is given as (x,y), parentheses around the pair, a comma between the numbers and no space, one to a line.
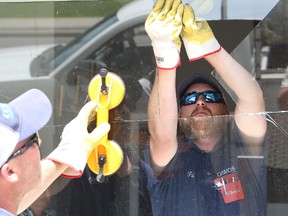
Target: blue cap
(21,118)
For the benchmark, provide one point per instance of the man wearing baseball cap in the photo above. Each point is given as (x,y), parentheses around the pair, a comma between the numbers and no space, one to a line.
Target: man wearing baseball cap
(23,177)
(218,165)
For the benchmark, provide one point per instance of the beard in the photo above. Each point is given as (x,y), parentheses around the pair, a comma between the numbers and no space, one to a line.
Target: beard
(203,127)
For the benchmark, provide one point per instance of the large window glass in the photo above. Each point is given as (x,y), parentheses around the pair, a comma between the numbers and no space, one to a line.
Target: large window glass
(60,46)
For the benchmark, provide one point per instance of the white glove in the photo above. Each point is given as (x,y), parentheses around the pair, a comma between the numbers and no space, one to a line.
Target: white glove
(198,38)
(163,26)
(76,143)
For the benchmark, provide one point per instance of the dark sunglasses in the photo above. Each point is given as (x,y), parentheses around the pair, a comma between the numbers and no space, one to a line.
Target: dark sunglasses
(209,97)
(34,139)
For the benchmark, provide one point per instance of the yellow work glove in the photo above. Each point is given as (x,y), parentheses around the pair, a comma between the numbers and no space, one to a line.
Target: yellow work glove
(198,38)
(76,143)
(163,26)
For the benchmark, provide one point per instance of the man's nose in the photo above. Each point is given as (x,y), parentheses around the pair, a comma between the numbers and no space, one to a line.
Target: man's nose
(201,101)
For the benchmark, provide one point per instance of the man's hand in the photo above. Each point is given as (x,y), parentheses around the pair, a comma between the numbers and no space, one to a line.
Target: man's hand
(76,143)
(197,36)
(163,26)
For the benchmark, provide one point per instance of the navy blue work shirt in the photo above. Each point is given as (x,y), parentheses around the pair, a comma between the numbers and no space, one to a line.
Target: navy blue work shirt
(187,184)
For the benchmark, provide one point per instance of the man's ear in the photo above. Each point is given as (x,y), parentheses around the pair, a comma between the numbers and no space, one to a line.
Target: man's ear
(8,173)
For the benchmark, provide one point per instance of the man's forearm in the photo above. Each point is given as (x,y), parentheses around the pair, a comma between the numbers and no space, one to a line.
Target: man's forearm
(162,107)
(250,106)
(239,80)
(163,117)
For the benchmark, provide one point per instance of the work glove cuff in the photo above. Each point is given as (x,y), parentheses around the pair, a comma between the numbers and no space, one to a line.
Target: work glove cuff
(197,51)
(166,56)
(73,156)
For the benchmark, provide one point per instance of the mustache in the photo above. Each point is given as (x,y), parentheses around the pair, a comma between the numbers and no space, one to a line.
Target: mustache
(197,109)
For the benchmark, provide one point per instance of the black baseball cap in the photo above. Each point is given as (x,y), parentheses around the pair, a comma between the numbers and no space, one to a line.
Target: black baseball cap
(198,78)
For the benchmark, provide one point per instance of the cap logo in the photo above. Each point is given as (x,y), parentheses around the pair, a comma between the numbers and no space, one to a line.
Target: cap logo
(6,111)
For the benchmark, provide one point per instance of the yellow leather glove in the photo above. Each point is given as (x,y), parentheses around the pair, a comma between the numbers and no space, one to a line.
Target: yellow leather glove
(198,38)
(76,143)
(163,26)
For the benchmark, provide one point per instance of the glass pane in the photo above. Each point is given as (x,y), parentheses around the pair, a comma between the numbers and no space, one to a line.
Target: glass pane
(60,46)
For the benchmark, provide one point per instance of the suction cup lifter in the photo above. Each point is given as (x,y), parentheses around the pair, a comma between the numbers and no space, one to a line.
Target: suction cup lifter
(108,90)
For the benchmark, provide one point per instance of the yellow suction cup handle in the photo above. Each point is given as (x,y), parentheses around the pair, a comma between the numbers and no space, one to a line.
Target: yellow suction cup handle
(108,90)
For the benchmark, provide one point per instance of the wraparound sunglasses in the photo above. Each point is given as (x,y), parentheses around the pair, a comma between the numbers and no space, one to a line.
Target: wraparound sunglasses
(209,97)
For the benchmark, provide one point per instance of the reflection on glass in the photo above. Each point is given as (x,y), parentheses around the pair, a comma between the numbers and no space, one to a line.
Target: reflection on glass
(38,54)
(275,35)
(278,152)
(119,193)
